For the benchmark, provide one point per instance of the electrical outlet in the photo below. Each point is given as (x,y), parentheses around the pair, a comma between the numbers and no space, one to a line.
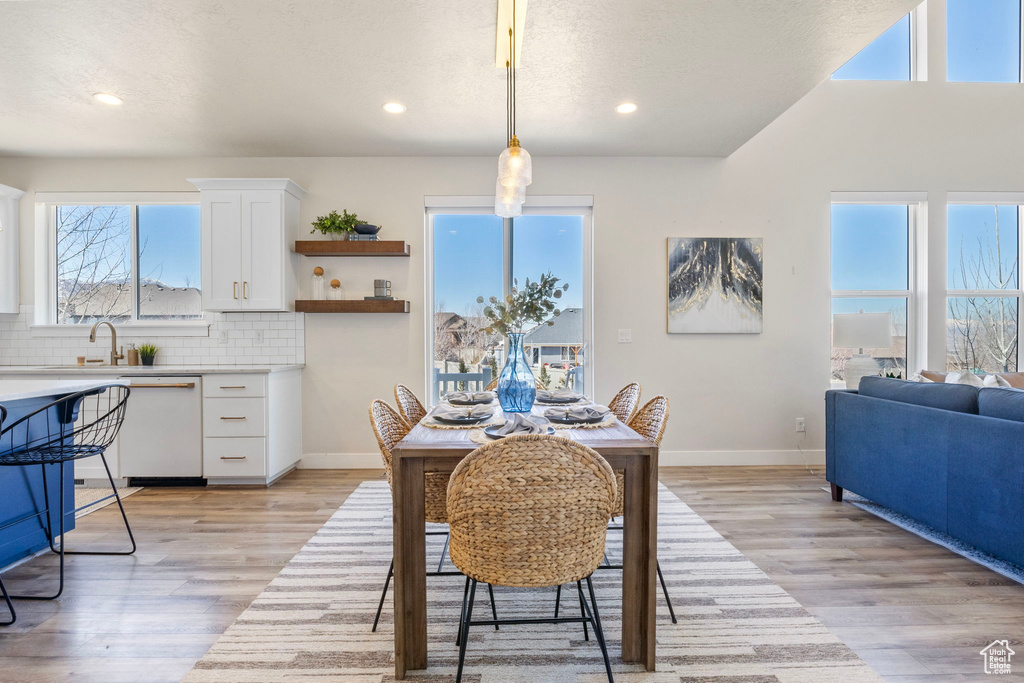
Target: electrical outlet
(222,337)
(258,337)
(801,425)
(625,336)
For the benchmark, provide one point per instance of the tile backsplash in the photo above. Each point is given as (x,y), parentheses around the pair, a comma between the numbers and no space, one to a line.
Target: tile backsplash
(283,343)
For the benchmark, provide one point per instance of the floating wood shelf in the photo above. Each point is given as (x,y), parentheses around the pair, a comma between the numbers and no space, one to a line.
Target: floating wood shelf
(351,248)
(351,306)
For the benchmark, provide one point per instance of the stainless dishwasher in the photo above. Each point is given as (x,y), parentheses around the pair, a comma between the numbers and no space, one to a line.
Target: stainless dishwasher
(162,435)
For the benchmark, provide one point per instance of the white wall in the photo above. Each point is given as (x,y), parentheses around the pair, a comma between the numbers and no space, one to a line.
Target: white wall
(734,397)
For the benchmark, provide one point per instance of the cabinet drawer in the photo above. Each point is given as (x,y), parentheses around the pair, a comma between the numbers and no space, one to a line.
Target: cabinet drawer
(234,417)
(244,457)
(234,386)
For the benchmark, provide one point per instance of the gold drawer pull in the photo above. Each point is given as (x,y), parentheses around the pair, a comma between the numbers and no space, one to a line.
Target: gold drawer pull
(241,387)
(232,457)
(232,418)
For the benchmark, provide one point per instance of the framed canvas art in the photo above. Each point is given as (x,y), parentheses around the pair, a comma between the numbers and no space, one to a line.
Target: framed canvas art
(715,285)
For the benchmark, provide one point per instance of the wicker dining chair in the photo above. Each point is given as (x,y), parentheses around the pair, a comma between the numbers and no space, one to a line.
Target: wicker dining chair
(390,428)
(623,405)
(568,489)
(72,427)
(493,384)
(409,405)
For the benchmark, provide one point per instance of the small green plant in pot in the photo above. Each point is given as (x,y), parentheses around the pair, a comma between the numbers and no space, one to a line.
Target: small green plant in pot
(147,352)
(335,225)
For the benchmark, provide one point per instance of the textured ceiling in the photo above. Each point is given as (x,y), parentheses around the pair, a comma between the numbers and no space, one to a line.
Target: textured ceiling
(276,78)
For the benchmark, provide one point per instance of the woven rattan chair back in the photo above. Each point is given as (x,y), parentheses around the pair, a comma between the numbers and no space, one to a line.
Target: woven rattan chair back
(649,422)
(529,511)
(390,428)
(408,405)
(623,405)
(493,384)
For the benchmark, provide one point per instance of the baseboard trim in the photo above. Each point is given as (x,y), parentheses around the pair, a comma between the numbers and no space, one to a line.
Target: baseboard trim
(372,461)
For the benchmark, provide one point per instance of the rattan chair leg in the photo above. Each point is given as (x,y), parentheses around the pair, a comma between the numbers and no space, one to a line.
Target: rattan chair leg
(599,630)
(383,594)
(10,606)
(462,617)
(664,589)
(583,609)
(558,599)
(494,609)
(467,609)
(444,551)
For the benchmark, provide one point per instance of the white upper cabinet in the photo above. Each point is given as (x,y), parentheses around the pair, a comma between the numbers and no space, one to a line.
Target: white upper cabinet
(249,225)
(9,228)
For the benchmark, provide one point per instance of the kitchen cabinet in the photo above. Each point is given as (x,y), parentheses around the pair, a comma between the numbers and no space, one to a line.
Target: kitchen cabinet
(248,227)
(9,229)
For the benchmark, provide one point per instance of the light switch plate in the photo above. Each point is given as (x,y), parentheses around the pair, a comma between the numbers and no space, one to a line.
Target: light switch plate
(625,336)
(222,338)
(258,337)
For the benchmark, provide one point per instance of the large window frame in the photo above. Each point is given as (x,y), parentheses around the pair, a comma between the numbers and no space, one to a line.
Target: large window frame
(45,309)
(917,220)
(569,205)
(989,199)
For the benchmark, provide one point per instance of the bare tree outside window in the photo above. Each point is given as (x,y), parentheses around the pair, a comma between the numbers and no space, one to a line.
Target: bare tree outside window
(982,330)
(93,264)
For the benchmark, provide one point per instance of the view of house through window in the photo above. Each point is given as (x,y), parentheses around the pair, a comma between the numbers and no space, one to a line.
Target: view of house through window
(482,255)
(127,262)
(871,273)
(983,288)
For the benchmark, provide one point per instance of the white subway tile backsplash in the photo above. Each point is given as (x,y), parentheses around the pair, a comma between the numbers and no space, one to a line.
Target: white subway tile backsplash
(283,343)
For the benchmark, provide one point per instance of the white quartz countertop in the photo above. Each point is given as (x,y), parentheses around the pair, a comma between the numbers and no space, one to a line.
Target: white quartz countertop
(20,389)
(143,370)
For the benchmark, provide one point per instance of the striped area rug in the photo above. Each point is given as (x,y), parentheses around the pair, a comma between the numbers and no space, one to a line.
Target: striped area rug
(313,621)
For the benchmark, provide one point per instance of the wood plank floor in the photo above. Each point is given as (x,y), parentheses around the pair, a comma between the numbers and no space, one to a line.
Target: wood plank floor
(912,610)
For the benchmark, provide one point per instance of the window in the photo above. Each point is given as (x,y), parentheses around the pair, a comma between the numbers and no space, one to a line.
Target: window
(475,253)
(887,58)
(124,262)
(983,40)
(872,272)
(983,287)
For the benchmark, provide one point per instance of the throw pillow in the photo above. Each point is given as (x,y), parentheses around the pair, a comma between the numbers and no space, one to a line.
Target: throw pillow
(995,381)
(919,378)
(968,378)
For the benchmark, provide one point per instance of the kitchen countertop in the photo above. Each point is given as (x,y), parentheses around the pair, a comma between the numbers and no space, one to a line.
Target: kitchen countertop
(145,370)
(20,389)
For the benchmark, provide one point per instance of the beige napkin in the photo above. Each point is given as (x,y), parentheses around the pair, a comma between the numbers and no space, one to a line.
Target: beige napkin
(587,412)
(523,423)
(558,395)
(456,412)
(470,396)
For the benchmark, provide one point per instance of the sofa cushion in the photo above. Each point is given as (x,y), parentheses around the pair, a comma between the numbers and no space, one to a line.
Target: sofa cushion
(961,398)
(1006,404)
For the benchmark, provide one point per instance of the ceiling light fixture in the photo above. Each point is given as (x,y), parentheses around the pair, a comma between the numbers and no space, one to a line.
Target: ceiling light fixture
(626,108)
(107,98)
(515,167)
(394,107)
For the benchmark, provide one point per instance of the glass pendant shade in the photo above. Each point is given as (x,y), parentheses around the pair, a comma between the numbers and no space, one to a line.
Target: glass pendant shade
(508,201)
(515,166)
(507,210)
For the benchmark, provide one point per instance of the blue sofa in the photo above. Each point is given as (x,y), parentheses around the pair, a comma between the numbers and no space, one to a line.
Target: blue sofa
(948,455)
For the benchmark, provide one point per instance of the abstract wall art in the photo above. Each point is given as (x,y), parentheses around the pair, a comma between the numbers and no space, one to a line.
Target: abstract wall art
(715,285)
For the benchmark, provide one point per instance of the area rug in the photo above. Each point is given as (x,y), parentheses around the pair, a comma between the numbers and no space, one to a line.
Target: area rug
(90,494)
(1010,571)
(313,621)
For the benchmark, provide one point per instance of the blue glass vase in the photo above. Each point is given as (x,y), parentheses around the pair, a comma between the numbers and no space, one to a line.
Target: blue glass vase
(516,386)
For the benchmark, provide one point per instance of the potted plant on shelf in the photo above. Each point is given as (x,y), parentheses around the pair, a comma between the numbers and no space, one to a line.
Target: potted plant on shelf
(335,225)
(531,305)
(147,352)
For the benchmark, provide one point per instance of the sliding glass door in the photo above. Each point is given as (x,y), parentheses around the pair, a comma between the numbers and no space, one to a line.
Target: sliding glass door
(474,253)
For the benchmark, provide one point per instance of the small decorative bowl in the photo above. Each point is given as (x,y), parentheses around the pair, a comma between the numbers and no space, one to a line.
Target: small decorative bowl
(367,229)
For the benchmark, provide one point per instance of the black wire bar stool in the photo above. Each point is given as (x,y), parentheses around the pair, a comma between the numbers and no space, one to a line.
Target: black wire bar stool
(76,426)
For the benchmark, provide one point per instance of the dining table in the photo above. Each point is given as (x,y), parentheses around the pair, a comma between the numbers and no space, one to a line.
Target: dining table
(425,449)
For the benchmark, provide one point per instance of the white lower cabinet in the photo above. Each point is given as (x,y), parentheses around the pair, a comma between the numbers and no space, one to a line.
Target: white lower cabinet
(235,457)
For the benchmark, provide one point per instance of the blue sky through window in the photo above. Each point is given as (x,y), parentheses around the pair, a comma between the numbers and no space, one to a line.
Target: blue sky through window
(887,58)
(869,247)
(983,40)
(982,247)
(169,248)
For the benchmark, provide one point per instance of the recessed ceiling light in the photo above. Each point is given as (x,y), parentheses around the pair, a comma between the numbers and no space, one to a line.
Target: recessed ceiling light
(394,107)
(107,98)
(626,108)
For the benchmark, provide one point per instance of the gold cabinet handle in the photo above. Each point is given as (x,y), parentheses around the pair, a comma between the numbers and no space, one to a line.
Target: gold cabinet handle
(232,457)
(232,418)
(234,289)
(245,290)
(241,387)
(181,385)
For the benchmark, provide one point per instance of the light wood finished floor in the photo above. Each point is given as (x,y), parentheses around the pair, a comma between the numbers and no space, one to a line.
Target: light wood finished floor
(912,610)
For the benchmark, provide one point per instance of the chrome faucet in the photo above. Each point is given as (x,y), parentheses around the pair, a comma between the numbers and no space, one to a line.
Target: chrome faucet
(114,355)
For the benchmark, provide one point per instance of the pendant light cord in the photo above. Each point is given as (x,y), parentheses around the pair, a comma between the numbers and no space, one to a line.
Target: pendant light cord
(512,59)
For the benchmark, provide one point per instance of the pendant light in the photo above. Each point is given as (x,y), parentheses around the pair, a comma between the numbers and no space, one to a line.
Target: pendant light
(515,167)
